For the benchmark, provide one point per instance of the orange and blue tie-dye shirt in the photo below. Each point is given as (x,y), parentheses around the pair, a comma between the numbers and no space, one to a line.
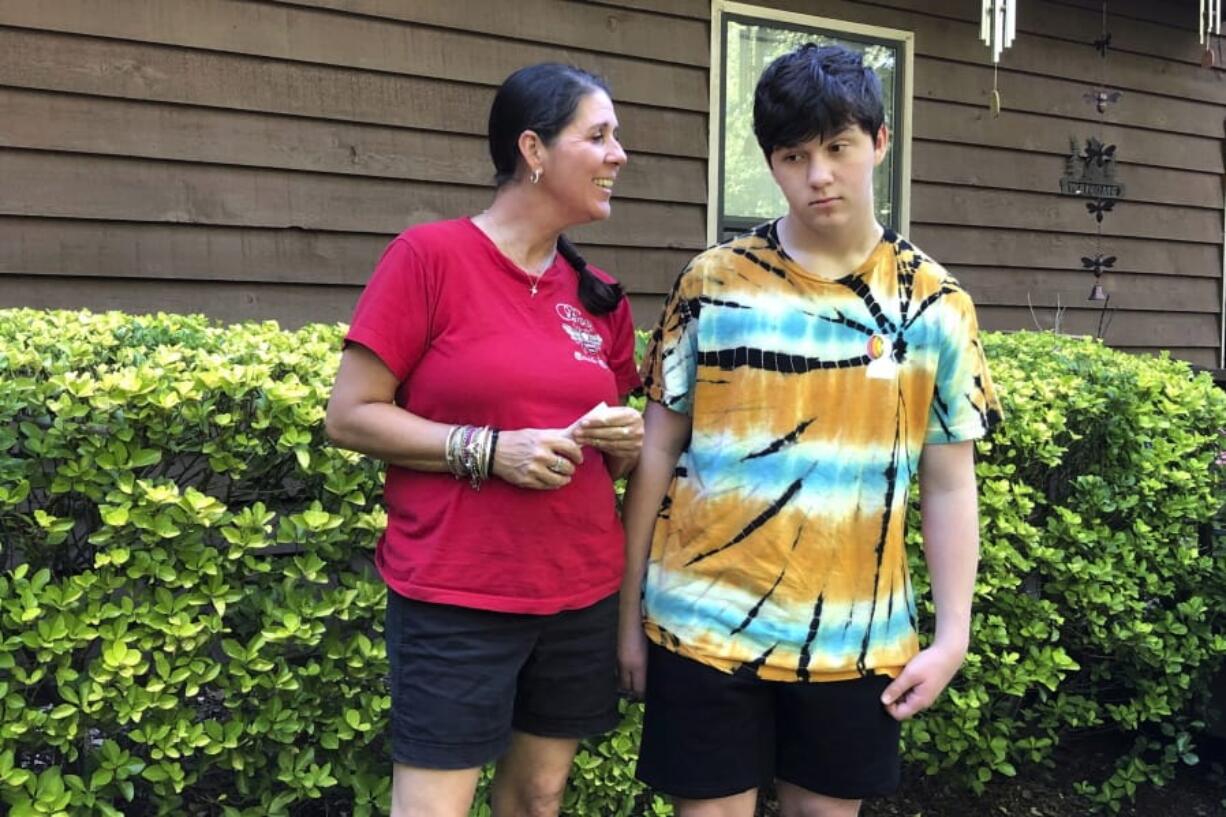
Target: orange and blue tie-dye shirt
(779,546)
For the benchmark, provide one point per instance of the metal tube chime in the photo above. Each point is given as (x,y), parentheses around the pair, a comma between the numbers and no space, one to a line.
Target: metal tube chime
(998,26)
(1210,18)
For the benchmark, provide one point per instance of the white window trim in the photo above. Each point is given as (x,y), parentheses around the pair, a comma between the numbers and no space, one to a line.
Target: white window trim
(906,40)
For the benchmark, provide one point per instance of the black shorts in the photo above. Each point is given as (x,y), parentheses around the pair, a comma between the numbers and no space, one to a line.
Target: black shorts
(463,679)
(709,734)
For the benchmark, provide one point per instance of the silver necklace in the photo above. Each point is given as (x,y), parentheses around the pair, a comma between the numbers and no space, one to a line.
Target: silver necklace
(534,283)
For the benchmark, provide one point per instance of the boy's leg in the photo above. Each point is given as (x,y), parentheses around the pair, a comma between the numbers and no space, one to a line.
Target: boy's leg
(797,802)
(708,737)
(836,745)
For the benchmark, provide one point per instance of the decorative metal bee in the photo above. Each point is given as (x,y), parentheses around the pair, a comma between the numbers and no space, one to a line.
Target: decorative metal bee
(1097,263)
(1102,99)
(1098,207)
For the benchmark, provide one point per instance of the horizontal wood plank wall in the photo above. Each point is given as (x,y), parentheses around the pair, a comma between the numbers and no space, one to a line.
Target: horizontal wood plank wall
(984,189)
(251,158)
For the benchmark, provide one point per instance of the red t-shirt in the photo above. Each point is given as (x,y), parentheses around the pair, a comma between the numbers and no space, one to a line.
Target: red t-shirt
(455,321)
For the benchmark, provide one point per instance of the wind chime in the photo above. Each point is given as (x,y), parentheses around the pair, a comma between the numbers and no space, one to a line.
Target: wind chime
(1210,26)
(997,28)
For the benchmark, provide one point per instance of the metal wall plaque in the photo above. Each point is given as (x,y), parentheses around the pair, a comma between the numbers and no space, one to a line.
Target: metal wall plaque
(1090,171)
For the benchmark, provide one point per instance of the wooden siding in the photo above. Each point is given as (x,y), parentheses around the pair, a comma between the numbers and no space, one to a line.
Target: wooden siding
(984,198)
(252,157)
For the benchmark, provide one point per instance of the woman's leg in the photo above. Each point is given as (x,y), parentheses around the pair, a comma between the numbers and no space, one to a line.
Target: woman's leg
(453,676)
(531,777)
(738,805)
(432,792)
(566,691)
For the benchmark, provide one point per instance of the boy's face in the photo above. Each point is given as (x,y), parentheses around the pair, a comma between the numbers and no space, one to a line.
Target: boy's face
(829,184)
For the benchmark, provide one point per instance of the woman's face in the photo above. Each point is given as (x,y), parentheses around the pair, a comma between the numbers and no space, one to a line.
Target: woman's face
(580,168)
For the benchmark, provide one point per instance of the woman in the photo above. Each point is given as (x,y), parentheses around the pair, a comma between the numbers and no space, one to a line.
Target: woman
(485,364)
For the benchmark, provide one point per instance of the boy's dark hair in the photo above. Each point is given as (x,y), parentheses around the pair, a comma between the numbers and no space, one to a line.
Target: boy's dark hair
(813,92)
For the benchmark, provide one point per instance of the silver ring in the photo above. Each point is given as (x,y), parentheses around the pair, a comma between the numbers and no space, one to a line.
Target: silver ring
(556,465)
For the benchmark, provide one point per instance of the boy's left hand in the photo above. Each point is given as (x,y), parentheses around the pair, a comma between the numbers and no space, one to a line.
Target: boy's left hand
(920,683)
(616,430)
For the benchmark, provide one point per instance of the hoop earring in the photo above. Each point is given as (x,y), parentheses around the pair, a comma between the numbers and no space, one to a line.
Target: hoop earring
(535,177)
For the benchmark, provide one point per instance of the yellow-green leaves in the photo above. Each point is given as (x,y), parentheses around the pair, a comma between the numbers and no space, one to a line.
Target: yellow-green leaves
(175,562)
(1095,499)
(189,614)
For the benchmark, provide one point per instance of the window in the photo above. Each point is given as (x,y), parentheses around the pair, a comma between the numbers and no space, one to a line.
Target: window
(745,39)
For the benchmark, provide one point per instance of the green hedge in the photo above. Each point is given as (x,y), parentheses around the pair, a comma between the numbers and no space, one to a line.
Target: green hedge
(189,617)
(190,622)
(1099,598)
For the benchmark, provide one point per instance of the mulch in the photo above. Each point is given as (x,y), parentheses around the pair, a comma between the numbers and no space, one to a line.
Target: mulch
(1198,791)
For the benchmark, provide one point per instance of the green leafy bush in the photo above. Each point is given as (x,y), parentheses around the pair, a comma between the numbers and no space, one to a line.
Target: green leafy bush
(190,624)
(188,618)
(1099,597)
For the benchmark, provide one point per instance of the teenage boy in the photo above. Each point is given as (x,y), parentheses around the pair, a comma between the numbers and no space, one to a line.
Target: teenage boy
(800,375)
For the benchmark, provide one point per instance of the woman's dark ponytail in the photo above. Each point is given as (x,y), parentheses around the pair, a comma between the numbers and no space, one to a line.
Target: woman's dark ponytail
(597,297)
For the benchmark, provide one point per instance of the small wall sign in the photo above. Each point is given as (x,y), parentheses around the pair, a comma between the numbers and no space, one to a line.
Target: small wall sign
(1090,171)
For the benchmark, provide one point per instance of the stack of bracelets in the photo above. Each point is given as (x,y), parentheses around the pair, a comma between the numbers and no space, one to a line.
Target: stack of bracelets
(470,452)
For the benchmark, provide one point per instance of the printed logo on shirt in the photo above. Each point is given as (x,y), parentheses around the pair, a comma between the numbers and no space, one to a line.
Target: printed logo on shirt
(882,365)
(583,333)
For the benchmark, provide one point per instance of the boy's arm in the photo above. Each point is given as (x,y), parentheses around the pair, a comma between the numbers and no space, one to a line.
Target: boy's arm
(950,512)
(666,433)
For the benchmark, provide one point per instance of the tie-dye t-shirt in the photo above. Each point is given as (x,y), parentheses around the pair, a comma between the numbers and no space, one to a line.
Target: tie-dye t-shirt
(779,546)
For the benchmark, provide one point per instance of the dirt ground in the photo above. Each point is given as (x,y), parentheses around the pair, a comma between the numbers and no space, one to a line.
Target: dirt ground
(1049,792)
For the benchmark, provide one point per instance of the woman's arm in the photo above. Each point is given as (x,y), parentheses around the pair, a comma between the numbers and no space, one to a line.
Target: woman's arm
(363,416)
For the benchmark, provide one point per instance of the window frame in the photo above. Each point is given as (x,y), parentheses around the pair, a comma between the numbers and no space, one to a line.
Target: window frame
(900,134)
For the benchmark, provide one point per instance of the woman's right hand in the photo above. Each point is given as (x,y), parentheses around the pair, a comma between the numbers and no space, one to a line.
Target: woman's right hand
(544,459)
(632,653)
